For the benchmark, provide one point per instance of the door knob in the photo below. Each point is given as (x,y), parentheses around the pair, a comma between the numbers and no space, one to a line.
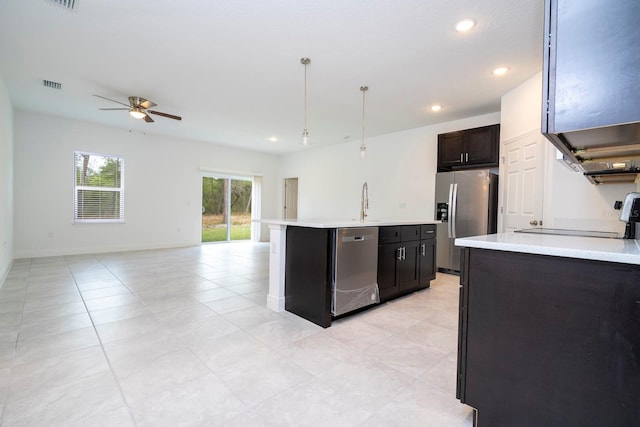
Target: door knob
(534,222)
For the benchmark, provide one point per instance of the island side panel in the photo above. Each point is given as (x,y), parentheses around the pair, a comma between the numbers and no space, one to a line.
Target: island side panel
(308,273)
(551,341)
(462,325)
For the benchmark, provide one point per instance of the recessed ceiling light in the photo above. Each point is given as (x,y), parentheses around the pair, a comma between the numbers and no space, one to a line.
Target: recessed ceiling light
(465,25)
(435,108)
(500,71)
(273,139)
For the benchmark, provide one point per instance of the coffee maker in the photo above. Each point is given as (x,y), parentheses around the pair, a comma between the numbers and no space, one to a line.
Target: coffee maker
(630,214)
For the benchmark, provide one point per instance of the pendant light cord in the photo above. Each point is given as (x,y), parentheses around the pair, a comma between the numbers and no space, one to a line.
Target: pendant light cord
(363,147)
(305,133)
(363,91)
(305,95)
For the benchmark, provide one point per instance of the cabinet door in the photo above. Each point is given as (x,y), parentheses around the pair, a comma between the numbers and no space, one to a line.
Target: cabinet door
(450,149)
(427,261)
(593,74)
(409,266)
(481,145)
(387,270)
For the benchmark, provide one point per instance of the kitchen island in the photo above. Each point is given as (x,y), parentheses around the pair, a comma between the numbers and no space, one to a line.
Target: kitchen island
(549,330)
(301,257)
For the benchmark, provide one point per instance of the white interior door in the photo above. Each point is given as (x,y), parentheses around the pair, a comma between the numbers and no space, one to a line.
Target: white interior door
(290,208)
(522,182)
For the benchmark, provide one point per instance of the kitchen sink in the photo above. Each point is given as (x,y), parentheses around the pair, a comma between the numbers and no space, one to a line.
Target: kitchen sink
(565,232)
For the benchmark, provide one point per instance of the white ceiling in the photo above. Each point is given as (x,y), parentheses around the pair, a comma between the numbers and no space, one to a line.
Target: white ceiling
(232,68)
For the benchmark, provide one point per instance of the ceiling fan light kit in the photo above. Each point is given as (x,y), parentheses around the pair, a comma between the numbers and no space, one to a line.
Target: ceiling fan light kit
(138,108)
(137,114)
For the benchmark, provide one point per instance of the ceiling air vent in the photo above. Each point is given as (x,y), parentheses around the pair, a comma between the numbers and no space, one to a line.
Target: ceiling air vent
(67,4)
(52,85)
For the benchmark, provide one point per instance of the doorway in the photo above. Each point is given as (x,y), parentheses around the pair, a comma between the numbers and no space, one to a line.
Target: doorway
(290,206)
(226,208)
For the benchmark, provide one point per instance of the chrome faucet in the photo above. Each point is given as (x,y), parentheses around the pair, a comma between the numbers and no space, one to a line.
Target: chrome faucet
(364,201)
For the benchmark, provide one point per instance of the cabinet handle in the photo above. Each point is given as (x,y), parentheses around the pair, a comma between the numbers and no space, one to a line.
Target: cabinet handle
(404,252)
(424,249)
(399,254)
(467,157)
(461,157)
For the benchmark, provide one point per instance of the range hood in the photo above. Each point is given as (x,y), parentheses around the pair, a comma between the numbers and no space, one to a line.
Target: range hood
(591,87)
(605,155)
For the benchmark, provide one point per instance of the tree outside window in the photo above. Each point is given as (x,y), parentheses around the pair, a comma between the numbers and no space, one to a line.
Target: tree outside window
(98,188)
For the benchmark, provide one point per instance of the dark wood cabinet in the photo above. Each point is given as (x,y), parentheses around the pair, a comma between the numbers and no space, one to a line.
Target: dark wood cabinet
(591,86)
(409,266)
(406,259)
(388,259)
(548,341)
(470,148)
(590,78)
(451,150)
(427,254)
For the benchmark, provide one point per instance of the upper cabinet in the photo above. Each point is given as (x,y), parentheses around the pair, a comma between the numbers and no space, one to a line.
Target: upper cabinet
(591,85)
(468,149)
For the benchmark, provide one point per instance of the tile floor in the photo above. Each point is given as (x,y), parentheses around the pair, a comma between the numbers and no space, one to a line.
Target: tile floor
(182,337)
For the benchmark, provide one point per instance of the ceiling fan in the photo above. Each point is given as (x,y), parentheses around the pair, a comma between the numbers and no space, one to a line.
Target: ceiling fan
(138,108)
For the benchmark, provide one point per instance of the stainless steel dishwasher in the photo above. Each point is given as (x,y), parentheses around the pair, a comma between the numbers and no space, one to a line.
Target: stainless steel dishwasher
(355,269)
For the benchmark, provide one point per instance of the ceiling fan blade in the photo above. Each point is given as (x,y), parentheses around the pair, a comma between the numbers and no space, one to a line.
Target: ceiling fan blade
(114,108)
(168,116)
(147,104)
(112,100)
(148,119)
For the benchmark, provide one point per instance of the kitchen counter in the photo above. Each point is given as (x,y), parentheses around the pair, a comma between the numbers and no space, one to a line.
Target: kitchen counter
(343,223)
(590,248)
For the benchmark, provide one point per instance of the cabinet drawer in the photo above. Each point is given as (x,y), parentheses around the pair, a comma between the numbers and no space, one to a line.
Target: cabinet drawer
(427,231)
(410,232)
(388,235)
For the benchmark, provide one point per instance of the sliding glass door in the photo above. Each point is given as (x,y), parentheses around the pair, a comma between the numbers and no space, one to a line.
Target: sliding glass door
(226,208)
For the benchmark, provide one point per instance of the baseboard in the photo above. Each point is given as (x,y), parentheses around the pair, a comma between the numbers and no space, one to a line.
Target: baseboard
(98,250)
(6,273)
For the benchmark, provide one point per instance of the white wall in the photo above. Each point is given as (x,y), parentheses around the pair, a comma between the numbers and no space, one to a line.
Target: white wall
(520,110)
(6,182)
(399,168)
(162,186)
(570,200)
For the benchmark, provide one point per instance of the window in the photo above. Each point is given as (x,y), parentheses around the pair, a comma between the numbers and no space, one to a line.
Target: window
(98,188)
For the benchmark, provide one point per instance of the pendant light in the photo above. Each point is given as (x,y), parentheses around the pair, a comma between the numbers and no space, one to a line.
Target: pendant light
(363,147)
(305,132)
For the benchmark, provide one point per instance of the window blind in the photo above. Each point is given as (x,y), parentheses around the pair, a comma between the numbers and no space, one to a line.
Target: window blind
(98,188)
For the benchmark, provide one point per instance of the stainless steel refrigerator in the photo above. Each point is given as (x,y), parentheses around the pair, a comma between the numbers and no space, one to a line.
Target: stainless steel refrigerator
(467,205)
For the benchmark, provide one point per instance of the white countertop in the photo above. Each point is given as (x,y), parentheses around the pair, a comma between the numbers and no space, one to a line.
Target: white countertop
(343,223)
(600,249)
